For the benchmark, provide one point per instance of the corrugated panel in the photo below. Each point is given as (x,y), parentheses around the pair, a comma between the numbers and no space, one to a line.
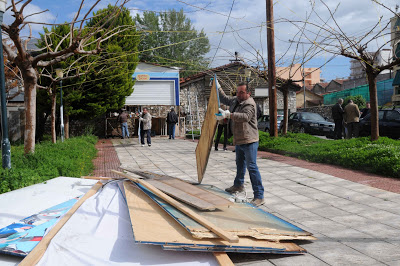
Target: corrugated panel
(152,93)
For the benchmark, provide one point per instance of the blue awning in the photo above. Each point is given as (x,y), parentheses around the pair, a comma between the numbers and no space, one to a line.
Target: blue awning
(396,80)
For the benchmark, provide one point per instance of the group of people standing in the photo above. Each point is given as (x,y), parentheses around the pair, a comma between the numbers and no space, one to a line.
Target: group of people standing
(145,124)
(347,119)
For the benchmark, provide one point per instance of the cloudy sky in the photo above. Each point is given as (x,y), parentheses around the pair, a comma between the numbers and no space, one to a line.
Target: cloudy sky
(246,24)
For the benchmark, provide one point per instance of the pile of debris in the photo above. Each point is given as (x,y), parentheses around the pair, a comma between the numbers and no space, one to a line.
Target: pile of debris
(175,215)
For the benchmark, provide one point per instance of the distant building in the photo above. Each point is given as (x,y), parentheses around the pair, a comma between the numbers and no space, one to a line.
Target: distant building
(395,37)
(312,99)
(319,88)
(335,85)
(295,72)
(357,68)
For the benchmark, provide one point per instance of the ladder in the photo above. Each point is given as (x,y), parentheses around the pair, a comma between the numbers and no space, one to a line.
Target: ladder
(193,118)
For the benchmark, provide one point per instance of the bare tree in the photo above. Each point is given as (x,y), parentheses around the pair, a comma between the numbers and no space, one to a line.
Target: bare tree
(82,40)
(333,39)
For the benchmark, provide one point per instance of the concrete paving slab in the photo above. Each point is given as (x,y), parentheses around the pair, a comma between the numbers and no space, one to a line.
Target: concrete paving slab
(355,224)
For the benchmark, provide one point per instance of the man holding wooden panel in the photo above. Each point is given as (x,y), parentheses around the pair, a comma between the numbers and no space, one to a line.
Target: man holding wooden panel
(245,139)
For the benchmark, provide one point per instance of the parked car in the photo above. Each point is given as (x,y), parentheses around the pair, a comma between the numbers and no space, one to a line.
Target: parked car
(263,122)
(312,123)
(389,124)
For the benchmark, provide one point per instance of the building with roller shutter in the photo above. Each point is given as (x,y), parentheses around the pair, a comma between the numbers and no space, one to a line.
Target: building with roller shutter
(157,88)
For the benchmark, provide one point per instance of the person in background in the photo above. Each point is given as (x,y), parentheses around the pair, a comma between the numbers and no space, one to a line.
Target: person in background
(123,120)
(172,119)
(365,110)
(145,119)
(245,139)
(351,118)
(337,115)
(222,127)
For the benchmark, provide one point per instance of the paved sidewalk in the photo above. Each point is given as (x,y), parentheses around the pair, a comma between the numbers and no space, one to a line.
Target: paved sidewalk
(354,223)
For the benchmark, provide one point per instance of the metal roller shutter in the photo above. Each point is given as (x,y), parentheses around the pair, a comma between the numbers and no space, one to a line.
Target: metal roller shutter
(152,93)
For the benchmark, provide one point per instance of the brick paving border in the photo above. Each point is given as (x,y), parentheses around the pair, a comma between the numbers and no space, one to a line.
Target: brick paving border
(106,160)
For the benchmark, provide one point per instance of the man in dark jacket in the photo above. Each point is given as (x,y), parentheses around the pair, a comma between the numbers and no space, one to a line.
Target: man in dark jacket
(337,115)
(123,119)
(172,119)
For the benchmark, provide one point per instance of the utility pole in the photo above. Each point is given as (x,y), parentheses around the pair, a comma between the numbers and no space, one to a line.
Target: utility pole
(304,81)
(273,111)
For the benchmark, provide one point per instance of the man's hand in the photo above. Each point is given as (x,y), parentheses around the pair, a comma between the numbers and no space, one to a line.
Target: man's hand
(140,118)
(223,114)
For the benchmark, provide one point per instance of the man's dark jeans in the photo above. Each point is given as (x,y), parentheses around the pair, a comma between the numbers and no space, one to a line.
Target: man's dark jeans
(246,156)
(338,129)
(145,132)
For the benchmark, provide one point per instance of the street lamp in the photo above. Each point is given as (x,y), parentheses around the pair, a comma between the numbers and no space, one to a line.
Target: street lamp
(60,74)
(5,142)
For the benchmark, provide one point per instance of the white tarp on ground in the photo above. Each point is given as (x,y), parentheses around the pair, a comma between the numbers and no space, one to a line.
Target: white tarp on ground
(100,233)
(21,203)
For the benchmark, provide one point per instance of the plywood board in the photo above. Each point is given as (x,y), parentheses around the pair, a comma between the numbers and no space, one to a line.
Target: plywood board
(242,219)
(207,134)
(152,225)
(179,189)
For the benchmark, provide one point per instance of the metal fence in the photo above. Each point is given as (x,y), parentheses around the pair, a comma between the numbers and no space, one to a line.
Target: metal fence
(384,91)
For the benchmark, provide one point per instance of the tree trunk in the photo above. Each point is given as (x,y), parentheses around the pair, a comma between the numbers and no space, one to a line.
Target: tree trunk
(285,109)
(30,81)
(53,116)
(66,126)
(374,103)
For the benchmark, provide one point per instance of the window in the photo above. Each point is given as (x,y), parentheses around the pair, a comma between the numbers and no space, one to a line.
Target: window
(294,116)
(392,115)
(381,113)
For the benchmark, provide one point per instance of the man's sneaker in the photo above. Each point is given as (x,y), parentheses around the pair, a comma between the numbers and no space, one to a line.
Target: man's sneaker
(257,202)
(225,149)
(149,145)
(216,149)
(234,189)
(142,145)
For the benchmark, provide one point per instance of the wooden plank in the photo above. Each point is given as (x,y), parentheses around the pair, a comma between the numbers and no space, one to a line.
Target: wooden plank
(207,134)
(178,194)
(242,219)
(223,259)
(221,233)
(36,254)
(185,191)
(152,225)
(198,192)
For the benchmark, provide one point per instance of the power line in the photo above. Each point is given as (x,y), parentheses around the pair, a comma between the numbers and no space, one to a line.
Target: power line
(226,24)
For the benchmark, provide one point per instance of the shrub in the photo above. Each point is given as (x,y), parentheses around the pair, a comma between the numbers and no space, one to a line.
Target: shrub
(72,158)
(381,156)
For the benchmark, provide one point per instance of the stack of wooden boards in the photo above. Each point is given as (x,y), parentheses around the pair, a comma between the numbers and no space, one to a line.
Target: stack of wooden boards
(223,225)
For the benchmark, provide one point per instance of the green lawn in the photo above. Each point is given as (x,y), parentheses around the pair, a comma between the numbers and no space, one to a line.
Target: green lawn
(73,158)
(381,156)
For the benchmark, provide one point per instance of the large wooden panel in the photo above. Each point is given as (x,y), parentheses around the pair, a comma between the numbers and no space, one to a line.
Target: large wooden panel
(207,134)
(152,225)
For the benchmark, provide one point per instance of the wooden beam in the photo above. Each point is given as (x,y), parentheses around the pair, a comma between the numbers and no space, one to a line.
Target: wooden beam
(223,259)
(218,231)
(37,253)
